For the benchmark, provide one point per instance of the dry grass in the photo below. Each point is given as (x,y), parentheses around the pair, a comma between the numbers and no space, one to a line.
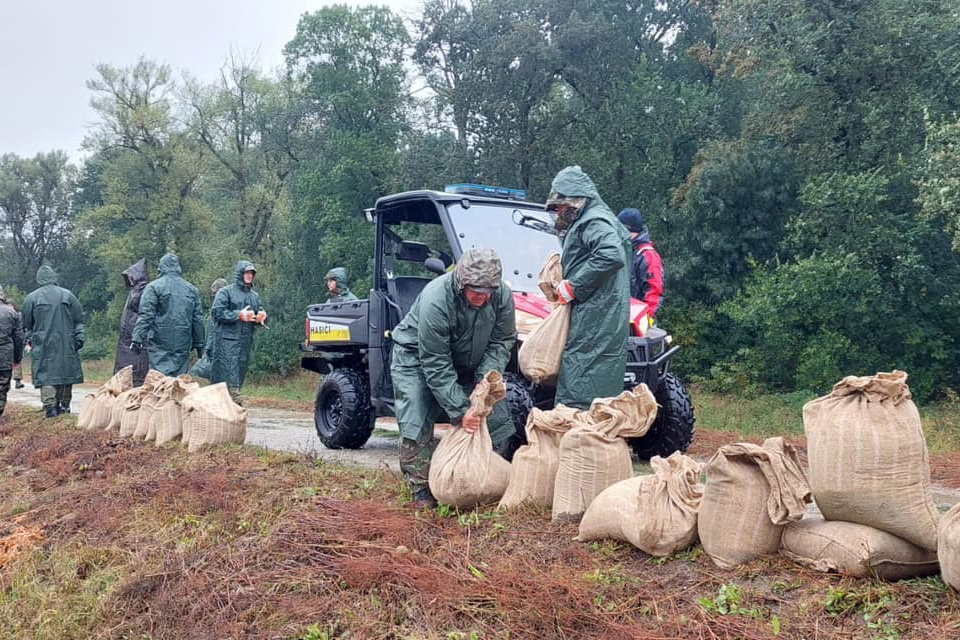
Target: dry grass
(118,539)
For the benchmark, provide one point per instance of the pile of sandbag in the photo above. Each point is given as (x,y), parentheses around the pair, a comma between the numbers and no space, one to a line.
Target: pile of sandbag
(870,478)
(542,349)
(656,513)
(752,492)
(211,417)
(465,471)
(98,409)
(594,453)
(533,473)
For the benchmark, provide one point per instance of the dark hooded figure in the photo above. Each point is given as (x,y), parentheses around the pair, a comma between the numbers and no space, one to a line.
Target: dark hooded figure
(236,312)
(338,286)
(11,346)
(136,278)
(53,321)
(170,320)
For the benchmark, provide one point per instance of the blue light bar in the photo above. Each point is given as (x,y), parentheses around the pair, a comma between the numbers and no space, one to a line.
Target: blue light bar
(484,190)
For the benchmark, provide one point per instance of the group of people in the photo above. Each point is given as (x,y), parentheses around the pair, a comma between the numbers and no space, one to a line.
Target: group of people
(462,325)
(162,322)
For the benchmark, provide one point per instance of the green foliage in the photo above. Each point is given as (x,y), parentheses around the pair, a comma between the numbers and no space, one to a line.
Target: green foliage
(728,602)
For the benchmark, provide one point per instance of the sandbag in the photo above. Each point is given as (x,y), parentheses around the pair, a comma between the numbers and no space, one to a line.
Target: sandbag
(594,454)
(154,393)
(211,417)
(868,457)
(168,413)
(533,471)
(855,550)
(98,408)
(542,349)
(464,470)
(751,493)
(131,409)
(948,547)
(116,413)
(656,513)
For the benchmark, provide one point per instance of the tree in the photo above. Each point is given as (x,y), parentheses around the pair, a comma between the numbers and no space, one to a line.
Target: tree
(36,209)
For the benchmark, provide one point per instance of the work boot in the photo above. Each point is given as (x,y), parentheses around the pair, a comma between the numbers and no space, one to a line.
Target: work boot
(423,499)
(51,412)
(19,385)
(64,408)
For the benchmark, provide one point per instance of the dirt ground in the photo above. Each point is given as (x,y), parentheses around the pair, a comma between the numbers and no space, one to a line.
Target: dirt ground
(109,538)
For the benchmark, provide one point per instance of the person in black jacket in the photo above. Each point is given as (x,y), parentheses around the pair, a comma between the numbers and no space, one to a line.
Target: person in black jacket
(135,277)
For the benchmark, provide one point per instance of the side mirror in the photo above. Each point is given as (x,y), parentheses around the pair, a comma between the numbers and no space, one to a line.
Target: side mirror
(435,265)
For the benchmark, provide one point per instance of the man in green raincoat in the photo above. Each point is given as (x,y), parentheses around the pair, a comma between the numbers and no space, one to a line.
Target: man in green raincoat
(596,247)
(11,346)
(236,312)
(460,327)
(338,286)
(170,320)
(53,321)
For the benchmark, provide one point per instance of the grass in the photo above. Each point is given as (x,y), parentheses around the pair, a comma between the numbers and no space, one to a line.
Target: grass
(142,542)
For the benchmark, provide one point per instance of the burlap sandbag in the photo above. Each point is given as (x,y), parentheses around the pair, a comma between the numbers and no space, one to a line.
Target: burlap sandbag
(594,454)
(131,410)
(542,349)
(656,513)
(868,457)
(168,412)
(211,417)
(948,547)
(119,405)
(464,470)
(97,409)
(751,493)
(154,393)
(854,550)
(533,471)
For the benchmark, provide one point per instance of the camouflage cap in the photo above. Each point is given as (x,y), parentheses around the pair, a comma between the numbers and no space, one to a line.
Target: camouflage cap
(480,269)
(556,199)
(218,284)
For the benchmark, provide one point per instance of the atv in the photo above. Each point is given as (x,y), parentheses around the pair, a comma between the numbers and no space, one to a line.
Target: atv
(421,234)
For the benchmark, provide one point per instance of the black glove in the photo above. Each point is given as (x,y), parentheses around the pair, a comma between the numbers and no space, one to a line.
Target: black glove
(77,344)
(199,351)
(136,347)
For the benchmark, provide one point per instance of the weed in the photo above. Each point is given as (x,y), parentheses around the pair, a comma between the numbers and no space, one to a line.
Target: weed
(727,602)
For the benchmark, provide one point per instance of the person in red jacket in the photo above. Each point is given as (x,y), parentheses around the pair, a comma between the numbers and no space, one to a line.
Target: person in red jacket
(646,277)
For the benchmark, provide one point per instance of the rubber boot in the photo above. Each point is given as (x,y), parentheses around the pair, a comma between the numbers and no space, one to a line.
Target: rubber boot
(423,499)
(19,385)
(63,409)
(51,412)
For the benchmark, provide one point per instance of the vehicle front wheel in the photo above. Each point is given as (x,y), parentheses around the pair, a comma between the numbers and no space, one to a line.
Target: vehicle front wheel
(674,426)
(520,402)
(342,412)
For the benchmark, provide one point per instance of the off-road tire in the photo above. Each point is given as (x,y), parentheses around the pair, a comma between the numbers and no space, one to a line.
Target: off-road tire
(520,402)
(342,413)
(673,429)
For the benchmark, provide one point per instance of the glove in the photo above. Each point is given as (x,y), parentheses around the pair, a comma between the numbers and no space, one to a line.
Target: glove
(28,348)
(247,315)
(77,344)
(199,351)
(471,422)
(136,347)
(261,316)
(565,292)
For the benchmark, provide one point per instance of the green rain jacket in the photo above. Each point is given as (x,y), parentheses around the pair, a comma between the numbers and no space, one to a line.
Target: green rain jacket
(53,321)
(234,339)
(340,275)
(170,319)
(455,343)
(596,248)
(11,335)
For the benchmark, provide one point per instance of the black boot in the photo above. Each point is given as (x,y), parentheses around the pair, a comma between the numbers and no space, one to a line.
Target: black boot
(64,408)
(50,412)
(19,385)
(423,499)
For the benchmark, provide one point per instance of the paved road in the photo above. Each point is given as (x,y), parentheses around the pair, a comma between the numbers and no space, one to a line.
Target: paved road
(293,431)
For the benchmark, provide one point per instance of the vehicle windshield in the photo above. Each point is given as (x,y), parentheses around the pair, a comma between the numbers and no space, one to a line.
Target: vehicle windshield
(522,250)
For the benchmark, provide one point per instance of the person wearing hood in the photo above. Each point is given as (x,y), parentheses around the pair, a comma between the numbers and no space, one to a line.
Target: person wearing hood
(459,328)
(338,286)
(135,278)
(201,368)
(595,251)
(646,276)
(53,321)
(236,312)
(11,346)
(170,320)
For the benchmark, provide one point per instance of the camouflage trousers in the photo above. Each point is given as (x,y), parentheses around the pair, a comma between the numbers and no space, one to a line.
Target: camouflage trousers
(17,372)
(235,395)
(56,395)
(4,388)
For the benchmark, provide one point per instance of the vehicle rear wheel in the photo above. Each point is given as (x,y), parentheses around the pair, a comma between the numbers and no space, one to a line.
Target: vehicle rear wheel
(342,412)
(673,429)
(520,402)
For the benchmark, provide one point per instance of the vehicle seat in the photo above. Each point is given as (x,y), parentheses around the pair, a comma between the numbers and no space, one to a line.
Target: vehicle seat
(407,290)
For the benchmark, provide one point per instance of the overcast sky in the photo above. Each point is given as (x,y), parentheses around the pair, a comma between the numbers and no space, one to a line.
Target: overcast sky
(50,48)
